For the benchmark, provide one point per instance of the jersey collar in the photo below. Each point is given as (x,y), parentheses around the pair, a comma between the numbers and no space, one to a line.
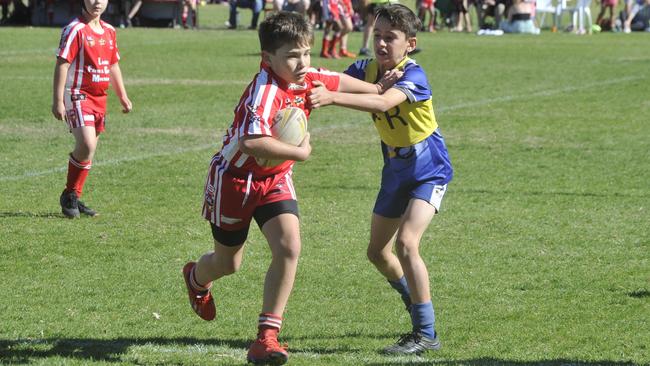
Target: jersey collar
(282,84)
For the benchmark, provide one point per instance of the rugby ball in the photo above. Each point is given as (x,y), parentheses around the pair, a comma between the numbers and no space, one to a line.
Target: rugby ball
(289,126)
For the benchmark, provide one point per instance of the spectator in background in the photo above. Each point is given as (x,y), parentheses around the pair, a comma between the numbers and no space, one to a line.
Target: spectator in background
(315,14)
(370,7)
(632,9)
(520,19)
(5,10)
(189,6)
(606,5)
(491,8)
(255,5)
(463,22)
(135,7)
(298,6)
(427,7)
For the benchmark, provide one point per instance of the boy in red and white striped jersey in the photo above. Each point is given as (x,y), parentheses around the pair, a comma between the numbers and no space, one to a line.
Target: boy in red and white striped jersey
(238,189)
(86,63)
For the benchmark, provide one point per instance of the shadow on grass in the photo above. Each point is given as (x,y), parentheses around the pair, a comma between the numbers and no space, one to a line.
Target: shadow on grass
(107,350)
(43,215)
(641,293)
(23,351)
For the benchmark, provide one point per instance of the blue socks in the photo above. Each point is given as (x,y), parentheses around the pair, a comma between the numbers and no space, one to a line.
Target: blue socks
(423,319)
(422,315)
(402,287)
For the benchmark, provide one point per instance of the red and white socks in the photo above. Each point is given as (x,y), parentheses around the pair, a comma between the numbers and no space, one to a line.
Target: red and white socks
(77,174)
(201,289)
(269,325)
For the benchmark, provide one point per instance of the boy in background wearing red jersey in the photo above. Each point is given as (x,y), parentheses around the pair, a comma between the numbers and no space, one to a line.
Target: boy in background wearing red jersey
(87,62)
(238,189)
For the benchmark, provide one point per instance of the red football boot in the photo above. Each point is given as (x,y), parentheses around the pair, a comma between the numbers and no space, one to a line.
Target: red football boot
(346,53)
(202,304)
(267,351)
(325,49)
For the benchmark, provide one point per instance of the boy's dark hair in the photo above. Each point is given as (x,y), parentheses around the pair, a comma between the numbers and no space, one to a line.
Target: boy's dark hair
(285,27)
(401,18)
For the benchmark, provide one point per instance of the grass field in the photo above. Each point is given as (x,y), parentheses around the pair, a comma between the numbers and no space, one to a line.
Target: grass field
(541,255)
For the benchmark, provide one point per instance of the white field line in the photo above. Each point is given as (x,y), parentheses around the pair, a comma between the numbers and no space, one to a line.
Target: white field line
(441,110)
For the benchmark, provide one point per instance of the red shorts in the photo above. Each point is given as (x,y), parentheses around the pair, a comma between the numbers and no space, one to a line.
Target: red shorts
(345,9)
(78,117)
(85,110)
(230,202)
(331,10)
(427,4)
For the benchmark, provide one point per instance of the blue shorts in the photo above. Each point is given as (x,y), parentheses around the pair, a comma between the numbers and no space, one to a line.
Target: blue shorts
(419,171)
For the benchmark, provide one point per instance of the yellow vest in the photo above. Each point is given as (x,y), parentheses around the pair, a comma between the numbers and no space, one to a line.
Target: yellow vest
(407,123)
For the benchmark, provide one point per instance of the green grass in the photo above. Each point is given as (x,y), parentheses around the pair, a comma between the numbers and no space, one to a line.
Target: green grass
(541,255)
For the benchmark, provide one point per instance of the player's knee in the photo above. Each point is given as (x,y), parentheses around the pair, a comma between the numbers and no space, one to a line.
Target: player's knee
(406,247)
(376,257)
(288,249)
(85,150)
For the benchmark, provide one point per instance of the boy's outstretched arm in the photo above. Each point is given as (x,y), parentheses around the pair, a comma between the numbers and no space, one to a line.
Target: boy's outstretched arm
(349,84)
(267,147)
(118,86)
(58,86)
(374,103)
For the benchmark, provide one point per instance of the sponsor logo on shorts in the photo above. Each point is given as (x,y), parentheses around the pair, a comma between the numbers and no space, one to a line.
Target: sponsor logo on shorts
(209,197)
(71,117)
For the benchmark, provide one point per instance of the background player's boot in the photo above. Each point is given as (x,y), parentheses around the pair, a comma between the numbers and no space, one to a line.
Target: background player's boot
(346,53)
(413,343)
(267,351)
(85,209)
(332,51)
(202,303)
(325,49)
(69,204)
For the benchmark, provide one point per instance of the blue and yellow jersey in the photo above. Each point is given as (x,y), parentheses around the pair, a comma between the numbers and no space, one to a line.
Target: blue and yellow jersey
(410,121)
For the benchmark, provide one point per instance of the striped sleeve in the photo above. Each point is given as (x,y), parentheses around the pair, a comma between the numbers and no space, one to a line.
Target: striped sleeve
(259,106)
(70,41)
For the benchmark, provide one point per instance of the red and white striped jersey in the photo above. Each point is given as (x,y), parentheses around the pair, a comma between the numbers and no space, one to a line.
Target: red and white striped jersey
(90,55)
(262,99)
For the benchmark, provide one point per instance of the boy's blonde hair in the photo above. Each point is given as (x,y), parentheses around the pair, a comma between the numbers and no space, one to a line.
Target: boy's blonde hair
(401,18)
(284,27)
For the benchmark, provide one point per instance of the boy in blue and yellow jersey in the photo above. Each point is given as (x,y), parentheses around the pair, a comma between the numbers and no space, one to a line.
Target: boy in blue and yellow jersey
(416,168)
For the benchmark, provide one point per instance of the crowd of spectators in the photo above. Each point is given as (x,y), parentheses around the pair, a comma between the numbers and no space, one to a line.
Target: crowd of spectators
(339,17)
